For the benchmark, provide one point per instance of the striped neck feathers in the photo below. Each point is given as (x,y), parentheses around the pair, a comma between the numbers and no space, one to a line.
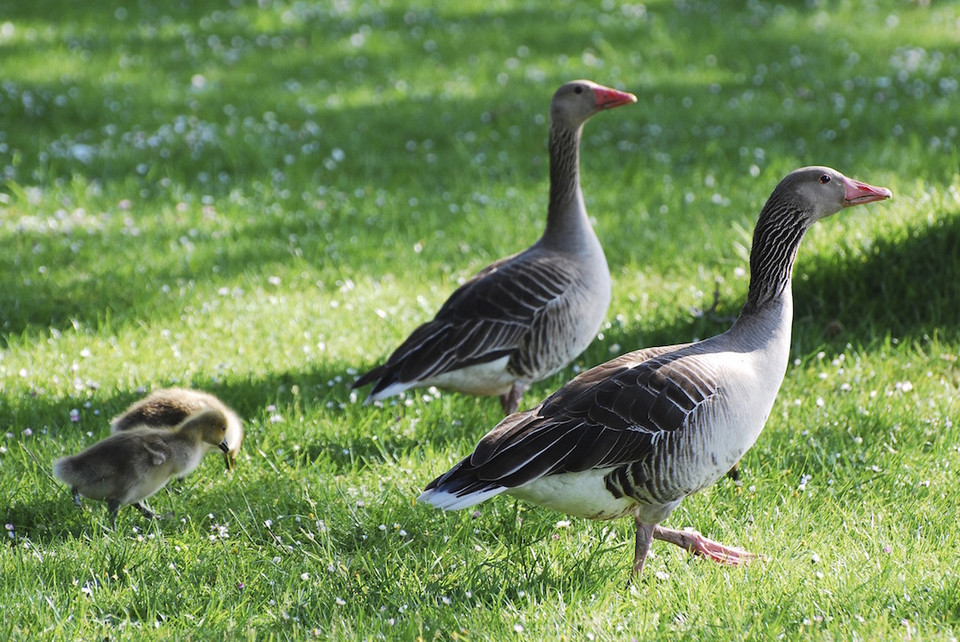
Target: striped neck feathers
(566,201)
(776,239)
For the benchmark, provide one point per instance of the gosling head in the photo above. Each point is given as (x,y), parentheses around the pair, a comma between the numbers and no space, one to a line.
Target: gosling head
(209,426)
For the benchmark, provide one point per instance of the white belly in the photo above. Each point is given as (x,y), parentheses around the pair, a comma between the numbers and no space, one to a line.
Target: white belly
(489,378)
(582,494)
(149,483)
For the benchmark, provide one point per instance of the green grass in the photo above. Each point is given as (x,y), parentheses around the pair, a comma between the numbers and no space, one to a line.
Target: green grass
(262,199)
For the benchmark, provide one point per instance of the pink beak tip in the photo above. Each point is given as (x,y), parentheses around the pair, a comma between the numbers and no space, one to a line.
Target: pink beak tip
(857,193)
(608,98)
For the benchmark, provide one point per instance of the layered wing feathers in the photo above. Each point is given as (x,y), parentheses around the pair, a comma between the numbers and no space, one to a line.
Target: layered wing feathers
(485,319)
(609,416)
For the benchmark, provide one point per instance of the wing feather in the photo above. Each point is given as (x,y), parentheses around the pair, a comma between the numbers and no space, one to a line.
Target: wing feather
(608,416)
(483,320)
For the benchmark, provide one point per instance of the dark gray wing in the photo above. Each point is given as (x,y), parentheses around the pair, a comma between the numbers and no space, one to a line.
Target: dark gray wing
(483,320)
(611,415)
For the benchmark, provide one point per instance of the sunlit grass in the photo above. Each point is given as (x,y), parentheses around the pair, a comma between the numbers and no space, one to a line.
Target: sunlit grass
(263,199)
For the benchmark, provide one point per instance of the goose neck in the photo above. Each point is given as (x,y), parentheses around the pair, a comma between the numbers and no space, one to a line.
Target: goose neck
(566,212)
(776,240)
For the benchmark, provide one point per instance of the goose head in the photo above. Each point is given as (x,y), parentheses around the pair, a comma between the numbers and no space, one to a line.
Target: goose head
(576,101)
(818,192)
(210,427)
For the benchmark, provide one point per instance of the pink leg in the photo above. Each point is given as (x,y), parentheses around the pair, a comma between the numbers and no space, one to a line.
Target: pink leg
(511,401)
(644,539)
(700,545)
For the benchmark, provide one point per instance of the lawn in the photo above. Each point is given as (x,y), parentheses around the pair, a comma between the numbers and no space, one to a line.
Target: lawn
(262,199)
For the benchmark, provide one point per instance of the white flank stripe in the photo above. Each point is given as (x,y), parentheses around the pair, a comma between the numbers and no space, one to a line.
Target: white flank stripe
(389,391)
(450,501)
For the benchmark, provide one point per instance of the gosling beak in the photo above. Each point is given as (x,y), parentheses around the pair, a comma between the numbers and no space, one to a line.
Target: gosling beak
(224,446)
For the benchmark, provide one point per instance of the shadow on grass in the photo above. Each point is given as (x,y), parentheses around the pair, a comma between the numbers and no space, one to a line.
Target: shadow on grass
(341,437)
(252,79)
(901,287)
(906,287)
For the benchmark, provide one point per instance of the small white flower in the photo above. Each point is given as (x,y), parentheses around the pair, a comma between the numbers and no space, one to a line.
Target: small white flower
(904,386)
(341,602)
(304,576)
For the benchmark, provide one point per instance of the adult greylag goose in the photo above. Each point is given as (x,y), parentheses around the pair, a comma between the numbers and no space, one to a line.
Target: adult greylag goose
(526,316)
(128,467)
(168,407)
(637,434)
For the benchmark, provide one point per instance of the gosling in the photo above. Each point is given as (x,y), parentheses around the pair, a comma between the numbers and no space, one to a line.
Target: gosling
(168,407)
(128,467)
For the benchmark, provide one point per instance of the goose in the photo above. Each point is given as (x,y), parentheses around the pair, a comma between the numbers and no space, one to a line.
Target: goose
(526,316)
(167,407)
(128,467)
(637,434)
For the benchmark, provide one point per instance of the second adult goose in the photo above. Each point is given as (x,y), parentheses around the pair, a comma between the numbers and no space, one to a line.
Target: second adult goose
(636,435)
(128,467)
(168,407)
(525,317)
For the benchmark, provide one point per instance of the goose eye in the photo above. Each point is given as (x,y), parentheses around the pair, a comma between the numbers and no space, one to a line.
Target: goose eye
(825,179)
(578,89)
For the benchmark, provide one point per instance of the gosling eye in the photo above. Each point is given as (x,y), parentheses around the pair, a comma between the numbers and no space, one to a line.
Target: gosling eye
(825,179)
(578,89)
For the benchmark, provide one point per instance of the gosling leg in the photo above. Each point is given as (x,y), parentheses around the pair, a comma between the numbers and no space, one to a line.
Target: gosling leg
(113,507)
(146,512)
